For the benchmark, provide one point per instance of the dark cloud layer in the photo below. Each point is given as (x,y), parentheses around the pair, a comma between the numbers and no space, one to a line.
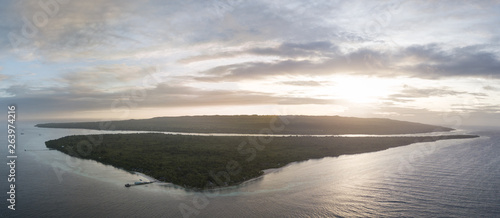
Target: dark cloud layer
(285,50)
(60,100)
(421,61)
(468,61)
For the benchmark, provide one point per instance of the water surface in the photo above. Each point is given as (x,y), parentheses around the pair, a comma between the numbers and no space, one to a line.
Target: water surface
(445,178)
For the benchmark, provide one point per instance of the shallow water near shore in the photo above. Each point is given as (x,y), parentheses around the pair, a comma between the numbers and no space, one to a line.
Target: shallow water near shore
(444,178)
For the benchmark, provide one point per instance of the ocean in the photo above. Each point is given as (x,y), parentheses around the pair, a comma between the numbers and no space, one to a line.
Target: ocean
(451,178)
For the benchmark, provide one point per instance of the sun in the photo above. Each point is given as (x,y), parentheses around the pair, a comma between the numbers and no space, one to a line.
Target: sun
(360,89)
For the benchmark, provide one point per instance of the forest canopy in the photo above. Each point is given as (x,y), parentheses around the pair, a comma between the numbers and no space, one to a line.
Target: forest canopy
(306,125)
(213,161)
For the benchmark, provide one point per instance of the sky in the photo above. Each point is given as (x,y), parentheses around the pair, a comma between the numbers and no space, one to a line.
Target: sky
(434,62)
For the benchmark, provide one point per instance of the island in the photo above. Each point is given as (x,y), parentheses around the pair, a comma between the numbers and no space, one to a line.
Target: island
(207,162)
(255,124)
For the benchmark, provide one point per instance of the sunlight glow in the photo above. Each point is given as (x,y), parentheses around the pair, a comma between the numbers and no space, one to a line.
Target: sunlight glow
(360,89)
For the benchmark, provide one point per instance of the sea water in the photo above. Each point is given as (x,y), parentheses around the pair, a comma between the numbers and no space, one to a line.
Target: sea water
(457,178)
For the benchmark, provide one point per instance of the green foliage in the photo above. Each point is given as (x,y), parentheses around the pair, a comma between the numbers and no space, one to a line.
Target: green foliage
(307,125)
(207,161)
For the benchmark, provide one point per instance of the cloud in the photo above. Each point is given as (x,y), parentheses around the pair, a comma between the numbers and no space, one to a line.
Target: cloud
(487,116)
(100,29)
(255,70)
(411,93)
(284,50)
(360,62)
(17,90)
(106,75)
(294,50)
(94,52)
(89,82)
(166,95)
(490,88)
(108,29)
(420,61)
(303,83)
(493,109)
(436,63)
(2,76)
(61,100)
(77,27)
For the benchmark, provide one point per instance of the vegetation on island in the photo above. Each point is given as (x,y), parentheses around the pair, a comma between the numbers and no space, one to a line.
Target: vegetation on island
(303,125)
(214,161)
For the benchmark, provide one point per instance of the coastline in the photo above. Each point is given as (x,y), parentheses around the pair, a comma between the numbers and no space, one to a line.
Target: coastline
(238,185)
(273,134)
(160,157)
(221,188)
(256,124)
(211,189)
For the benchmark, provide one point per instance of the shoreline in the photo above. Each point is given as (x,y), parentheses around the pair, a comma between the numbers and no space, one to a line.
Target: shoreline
(183,160)
(220,188)
(251,180)
(217,188)
(272,134)
(258,124)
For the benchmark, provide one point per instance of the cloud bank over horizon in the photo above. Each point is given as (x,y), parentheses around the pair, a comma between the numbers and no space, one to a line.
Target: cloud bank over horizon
(431,62)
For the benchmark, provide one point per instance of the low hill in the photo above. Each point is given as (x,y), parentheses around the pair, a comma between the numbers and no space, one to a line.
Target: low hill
(267,124)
